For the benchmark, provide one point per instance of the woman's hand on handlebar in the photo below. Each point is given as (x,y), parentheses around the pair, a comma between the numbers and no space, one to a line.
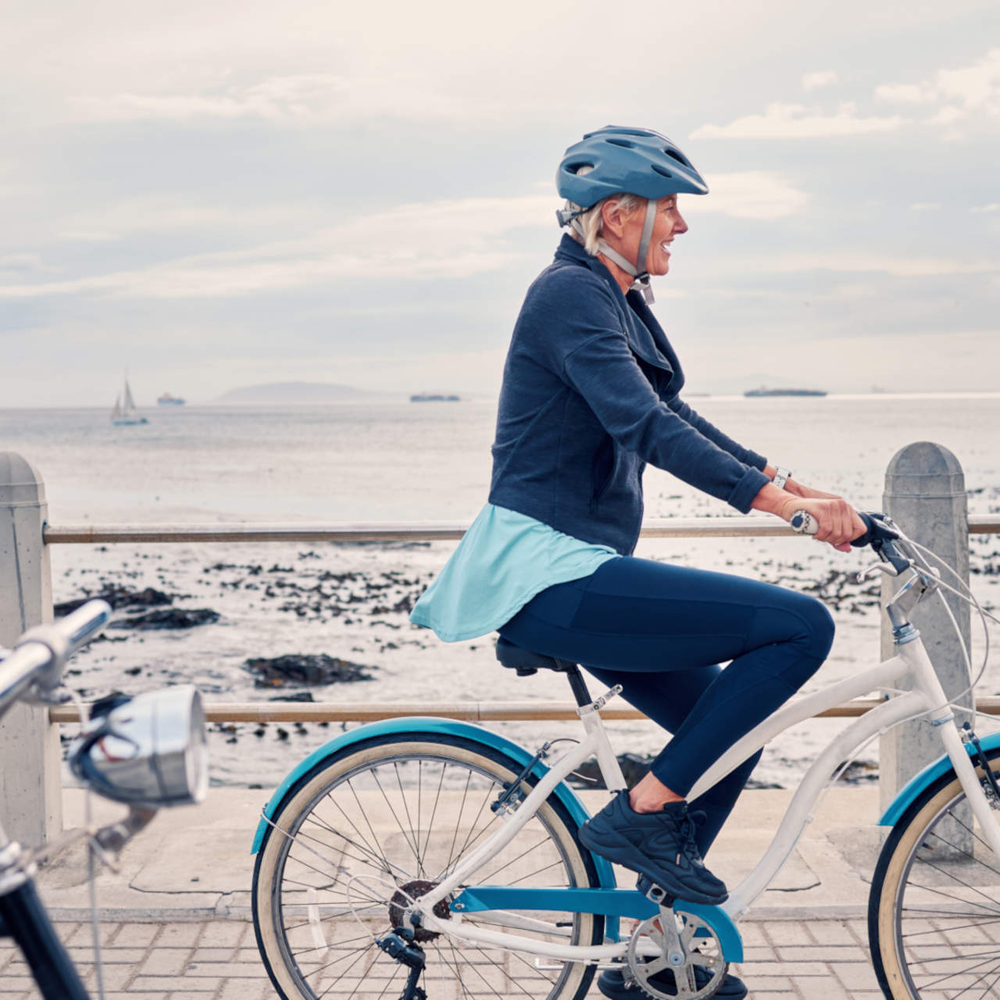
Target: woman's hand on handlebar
(838,522)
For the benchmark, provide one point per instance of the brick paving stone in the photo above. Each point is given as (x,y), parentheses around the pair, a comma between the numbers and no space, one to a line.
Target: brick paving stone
(212,955)
(224,934)
(241,989)
(832,932)
(788,932)
(15,984)
(816,953)
(178,935)
(856,975)
(135,935)
(83,934)
(207,984)
(234,969)
(165,962)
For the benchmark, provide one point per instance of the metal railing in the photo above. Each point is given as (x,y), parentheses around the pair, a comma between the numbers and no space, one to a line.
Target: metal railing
(923,480)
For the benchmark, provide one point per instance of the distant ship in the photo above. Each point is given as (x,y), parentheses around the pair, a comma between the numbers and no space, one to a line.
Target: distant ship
(167,400)
(433,397)
(784,392)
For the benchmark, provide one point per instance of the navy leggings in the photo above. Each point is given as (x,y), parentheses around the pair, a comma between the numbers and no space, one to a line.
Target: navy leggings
(661,632)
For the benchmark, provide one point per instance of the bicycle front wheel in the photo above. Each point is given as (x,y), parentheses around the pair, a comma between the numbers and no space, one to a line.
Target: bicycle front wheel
(386,820)
(934,907)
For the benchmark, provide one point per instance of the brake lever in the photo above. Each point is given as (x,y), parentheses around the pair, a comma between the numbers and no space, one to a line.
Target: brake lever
(874,570)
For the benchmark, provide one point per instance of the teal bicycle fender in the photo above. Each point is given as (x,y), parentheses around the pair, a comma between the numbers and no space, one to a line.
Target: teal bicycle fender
(609,902)
(913,788)
(426,724)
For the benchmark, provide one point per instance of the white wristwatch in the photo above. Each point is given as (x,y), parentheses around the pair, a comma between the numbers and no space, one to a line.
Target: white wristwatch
(781,477)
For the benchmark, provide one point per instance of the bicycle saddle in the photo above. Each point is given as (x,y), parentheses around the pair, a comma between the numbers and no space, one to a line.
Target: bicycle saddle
(525,662)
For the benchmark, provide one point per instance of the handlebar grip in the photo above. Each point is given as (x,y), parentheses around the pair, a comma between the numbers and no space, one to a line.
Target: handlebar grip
(803,523)
(868,537)
(79,626)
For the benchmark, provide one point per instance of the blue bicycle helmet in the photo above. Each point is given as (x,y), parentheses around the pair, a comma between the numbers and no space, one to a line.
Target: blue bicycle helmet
(635,161)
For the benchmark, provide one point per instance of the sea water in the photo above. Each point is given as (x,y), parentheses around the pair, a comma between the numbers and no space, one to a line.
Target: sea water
(403,462)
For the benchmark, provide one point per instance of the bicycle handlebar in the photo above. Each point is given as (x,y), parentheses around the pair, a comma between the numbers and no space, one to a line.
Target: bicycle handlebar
(38,657)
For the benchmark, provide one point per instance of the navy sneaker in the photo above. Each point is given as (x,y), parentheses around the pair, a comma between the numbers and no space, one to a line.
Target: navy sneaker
(611,983)
(658,845)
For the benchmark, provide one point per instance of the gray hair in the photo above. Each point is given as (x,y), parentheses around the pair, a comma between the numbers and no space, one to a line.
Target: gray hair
(592,220)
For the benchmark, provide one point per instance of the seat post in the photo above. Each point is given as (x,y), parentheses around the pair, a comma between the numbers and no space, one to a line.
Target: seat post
(578,684)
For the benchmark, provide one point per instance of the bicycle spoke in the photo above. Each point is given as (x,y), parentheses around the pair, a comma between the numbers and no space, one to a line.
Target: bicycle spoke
(415,832)
(403,818)
(393,812)
(960,927)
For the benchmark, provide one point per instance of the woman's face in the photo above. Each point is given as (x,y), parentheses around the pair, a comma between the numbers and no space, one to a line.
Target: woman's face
(669,223)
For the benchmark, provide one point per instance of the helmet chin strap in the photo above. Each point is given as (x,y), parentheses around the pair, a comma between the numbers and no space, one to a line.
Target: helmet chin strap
(641,277)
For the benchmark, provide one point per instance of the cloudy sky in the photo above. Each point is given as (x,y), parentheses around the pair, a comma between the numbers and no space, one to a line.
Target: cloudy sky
(220,194)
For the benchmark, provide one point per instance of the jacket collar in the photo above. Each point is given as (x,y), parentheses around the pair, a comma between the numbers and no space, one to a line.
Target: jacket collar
(645,336)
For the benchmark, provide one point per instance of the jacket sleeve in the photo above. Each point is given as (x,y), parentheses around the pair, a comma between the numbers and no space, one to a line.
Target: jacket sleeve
(709,430)
(603,370)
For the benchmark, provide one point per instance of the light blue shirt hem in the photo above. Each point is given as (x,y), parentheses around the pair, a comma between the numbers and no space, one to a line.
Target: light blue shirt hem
(501,563)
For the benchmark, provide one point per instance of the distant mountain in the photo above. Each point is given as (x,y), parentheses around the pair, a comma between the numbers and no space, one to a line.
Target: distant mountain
(298,392)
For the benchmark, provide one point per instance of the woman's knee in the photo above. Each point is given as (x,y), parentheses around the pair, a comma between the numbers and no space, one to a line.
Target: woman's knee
(820,627)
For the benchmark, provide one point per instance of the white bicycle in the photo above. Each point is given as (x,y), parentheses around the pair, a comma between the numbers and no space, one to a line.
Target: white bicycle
(429,851)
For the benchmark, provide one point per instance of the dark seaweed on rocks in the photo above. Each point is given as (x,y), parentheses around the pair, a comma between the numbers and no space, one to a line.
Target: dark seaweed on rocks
(305,668)
(117,597)
(168,618)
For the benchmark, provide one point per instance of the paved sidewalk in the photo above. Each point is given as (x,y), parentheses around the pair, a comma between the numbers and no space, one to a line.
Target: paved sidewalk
(218,960)
(175,917)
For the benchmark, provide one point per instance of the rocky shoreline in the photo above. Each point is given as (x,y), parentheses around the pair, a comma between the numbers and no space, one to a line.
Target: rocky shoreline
(330,623)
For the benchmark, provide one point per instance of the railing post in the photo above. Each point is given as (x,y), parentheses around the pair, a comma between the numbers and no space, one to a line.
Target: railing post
(30,769)
(925,495)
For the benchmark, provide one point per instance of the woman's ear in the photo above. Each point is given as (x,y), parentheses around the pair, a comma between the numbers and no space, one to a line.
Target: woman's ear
(613,216)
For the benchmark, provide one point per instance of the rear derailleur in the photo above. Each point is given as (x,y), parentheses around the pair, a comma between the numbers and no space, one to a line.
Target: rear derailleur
(400,945)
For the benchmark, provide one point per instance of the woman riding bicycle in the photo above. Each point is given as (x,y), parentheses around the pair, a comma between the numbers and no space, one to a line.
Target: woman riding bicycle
(590,395)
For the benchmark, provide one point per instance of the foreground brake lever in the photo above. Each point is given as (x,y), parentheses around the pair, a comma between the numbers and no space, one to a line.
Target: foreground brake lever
(875,569)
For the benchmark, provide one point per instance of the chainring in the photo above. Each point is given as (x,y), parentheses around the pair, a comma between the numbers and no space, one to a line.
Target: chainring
(667,943)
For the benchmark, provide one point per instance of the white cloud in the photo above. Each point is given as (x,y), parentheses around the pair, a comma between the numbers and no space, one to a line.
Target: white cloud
(298,97)
(823,78)
(21,262)
(749,195)
(993,206)
(435,240)
(796,121)
(973,88)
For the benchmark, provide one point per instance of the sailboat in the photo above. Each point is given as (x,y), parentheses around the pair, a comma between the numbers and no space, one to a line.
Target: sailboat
(125,411)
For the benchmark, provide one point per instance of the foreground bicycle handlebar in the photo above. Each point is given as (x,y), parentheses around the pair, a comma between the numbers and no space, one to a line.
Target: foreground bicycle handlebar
(147,752)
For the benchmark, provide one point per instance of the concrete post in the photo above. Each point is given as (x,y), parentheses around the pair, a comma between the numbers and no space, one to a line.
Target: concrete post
(30,769)
(925,495)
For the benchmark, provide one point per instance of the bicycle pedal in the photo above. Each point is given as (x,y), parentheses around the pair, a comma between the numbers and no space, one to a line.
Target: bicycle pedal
(653,892)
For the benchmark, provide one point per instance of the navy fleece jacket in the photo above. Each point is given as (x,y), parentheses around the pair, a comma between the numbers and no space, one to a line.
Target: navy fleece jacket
(589,396)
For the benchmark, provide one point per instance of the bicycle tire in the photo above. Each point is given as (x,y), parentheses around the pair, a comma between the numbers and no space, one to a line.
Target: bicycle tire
(363,820)
(934,905)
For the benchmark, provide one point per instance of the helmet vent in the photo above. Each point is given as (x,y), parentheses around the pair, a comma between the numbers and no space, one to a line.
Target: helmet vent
(627,143)
(677,156)
(660,170)
(575,168)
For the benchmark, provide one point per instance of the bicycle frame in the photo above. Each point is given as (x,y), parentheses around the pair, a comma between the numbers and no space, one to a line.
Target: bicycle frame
(927,697)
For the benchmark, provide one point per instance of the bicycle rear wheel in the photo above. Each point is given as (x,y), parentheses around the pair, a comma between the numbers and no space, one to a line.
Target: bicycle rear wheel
(934,906)
(387,818)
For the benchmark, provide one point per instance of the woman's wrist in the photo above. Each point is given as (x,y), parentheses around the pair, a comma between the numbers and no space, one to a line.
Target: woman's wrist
(773,500)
